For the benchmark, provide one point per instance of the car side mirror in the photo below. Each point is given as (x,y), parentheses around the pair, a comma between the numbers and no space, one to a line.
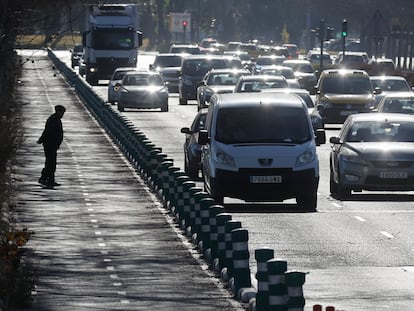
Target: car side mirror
(377,91)
(335,140)
(203,138)
(185,130)
(320,137)
(151,67)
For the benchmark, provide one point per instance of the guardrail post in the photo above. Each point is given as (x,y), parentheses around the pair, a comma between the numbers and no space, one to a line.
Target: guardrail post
(278,295)
(211,247)
(227,270)
(241,269)
(203,235)
(262,255)
(294,283)
(218,262)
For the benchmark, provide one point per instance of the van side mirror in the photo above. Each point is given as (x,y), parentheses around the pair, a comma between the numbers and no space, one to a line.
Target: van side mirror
(203,138)
(320,137)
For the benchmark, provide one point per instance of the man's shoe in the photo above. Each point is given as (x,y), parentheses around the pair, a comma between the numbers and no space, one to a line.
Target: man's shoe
(42,181)
(56,184)
(48,185)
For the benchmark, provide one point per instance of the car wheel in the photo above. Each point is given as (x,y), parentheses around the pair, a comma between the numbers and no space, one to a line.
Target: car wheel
(333,186)
(191,171)
(343,192)
(120,108)
(215,193)
(164,107)
(183,101)
(308,200)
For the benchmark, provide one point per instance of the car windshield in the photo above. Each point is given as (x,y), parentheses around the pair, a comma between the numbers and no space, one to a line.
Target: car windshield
(143,80)
(264,124)
(390,85)
(381,131)
(346,85)
(112,39)
(119,75)
(287,73)
(263,61)
(200,67)
(259,85)
(399,105)
(168,61)
(223,78)
(304,68)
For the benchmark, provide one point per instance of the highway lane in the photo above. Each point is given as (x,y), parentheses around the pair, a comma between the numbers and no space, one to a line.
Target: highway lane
(359,253)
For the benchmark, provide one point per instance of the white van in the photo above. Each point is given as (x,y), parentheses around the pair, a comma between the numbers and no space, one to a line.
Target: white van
(260,147)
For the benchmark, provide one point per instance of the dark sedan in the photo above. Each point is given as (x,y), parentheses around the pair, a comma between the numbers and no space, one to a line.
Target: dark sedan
(217,81)
(192,149)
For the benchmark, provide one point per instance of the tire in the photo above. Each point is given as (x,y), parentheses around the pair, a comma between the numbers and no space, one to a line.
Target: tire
(120,108)
(215,193)
(191,171)
(164,107)
(333,186)
(343,192)
(183,101)
(308,200)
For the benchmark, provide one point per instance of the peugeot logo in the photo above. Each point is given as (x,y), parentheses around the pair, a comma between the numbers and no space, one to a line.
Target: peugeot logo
(265,162)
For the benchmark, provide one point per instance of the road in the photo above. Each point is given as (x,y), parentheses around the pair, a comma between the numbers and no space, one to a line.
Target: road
(359,253)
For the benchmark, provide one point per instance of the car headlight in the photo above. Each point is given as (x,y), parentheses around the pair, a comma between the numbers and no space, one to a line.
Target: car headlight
(223,158)
(306,157)
(350,156)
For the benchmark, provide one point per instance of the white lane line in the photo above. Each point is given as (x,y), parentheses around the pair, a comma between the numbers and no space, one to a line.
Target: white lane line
(117,284)
(121,293)
(388,235)
(110,268)
(123,301)
(94,220)
(114,276)
(360,218)
(98,232)
(107,260)
(102,244)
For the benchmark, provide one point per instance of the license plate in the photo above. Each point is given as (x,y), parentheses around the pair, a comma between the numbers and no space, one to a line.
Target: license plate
(266,179)
(393,174)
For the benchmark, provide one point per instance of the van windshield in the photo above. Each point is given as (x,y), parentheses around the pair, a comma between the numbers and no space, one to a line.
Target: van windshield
(263,124)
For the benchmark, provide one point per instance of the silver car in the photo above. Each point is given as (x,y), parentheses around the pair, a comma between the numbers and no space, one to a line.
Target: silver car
(397,102)
(142,89)
(375,152)
(118,74)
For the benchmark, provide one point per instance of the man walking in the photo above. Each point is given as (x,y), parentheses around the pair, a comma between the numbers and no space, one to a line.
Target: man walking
(51,139)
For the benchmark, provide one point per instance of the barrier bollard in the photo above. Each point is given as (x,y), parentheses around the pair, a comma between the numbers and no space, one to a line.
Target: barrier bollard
(203,234)
(317,308)
(227,270)
(294,284)
(185,214)
(168,184)
(177,206)
(163,179)
(278,296)
(173,179)
(157,156)
(196,221)
(196,194)
(211,249)
(218,262)
(330,308)
(262,255)
(241,269)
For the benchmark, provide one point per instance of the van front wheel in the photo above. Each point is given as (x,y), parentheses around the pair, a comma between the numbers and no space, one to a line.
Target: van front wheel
(215,192)
(307,200)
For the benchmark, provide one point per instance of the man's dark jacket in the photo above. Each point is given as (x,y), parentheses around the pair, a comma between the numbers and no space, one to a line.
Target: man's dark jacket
(52,135)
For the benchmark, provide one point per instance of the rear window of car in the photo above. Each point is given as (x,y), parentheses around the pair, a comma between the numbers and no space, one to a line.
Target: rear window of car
(351,84)
(142,80)
(381,131)
(200,67)
(262,124)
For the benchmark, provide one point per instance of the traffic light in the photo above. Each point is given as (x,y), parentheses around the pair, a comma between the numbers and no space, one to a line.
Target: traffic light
(185,24)
(344,32)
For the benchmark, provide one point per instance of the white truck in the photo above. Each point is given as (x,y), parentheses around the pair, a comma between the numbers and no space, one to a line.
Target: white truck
(111,39)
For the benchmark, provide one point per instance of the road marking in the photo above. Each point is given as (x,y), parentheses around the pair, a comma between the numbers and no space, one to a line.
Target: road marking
(359,218)
(110,268)
(102,244)
(94,220)
(123,301)
(388,235)
(98,232)
(107,260)
(121,293)
(114,276)
(336,204)
(117,284)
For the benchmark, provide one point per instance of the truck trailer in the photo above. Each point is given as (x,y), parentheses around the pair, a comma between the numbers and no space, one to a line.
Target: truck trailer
(111,39)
